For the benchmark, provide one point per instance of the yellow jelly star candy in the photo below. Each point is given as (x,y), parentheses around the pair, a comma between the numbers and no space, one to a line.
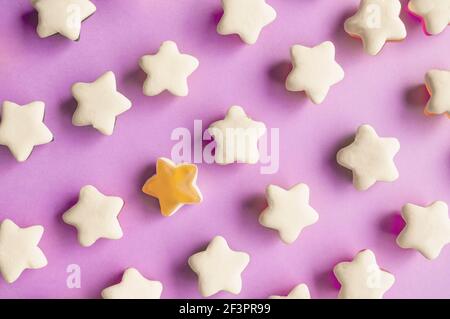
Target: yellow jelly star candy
(173,185)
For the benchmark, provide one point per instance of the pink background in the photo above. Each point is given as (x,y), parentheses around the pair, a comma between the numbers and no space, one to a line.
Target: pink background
(385,91)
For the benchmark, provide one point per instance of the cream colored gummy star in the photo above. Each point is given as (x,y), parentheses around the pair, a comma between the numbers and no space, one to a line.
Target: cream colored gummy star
(362,278)
(219,268)
(314,71)
(95,216)
(62,16)
(299,292)
(19,249)
(99,103)
(134,286)
(168,70)
(376,22)
(427,228)
(245,18)
(438,85)
(370,157)
(22,128)
(237,137)
(435,14)
(288,212)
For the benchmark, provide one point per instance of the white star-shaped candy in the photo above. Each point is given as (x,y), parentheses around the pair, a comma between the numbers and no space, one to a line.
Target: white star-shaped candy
(236,137)
(289,211)
(99,103)
(438,85)
(427,228)
(95,216)
(62,16)
(168,70)
(299,292)
(22,128)
(314,71)
(245,18)
(376,22)
(362,278)
(134,286)
(19,249)
(435,14)
(219,268)
(370,157)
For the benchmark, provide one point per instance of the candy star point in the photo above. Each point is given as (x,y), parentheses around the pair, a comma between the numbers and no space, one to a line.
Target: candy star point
(245,18)
(219,268)
(362,278)
(99,103)
(376,22)
(134,286)
(434,13)
(173,185)
(62,16)
(314,71)
(427,228)
(95,216)
(22,128)
(438,85)
(289,211)
(299,292)
(236,137)
(168,70)
(19,249)
(370,158)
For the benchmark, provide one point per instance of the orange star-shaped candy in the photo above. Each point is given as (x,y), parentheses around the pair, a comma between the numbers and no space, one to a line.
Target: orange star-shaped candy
(173,185)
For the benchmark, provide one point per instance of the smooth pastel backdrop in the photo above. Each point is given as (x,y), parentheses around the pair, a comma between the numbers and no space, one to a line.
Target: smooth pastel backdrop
(385,91)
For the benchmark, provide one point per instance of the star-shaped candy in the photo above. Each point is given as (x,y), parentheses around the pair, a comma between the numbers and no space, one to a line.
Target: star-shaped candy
(438,85)
(173,185)
(245,18)
(376,22)
(95,216)
(99,103)
(22,128)
(370,157)
(134,286)
(362,278)
(299,292)
(219,268)
(288,212)
(435,14)
(427,228)
(19,250)
(168,70)
(314,71)
(62,16)
(236,137)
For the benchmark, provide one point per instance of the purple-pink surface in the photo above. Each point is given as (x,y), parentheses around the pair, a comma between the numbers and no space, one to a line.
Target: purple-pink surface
(385,91)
